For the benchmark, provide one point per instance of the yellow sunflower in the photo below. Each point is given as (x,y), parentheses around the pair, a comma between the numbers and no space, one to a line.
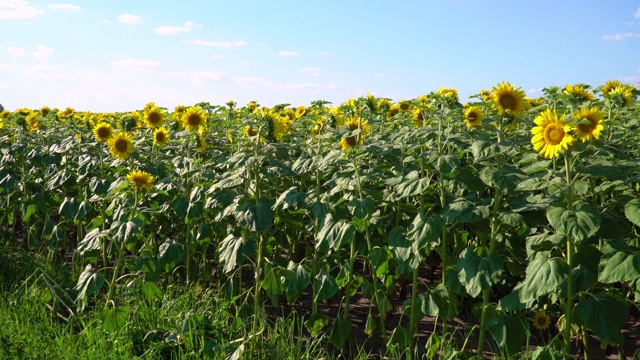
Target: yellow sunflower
(404,105)
(508,100)
(252,106)
(153,117)
(67,113)
(300,110)
(541,320)
(141,180)
(610,85)
(353,123)
(250,131)
(579,92)
(623,94)
(551,134)
(103,131)
(121,145)
(589,123)
(160,136)
(194,118)
(33,122)
(280,125)
(450,93)
(473,116)
(486,95)
(230,136)
(45,110)
(417,118)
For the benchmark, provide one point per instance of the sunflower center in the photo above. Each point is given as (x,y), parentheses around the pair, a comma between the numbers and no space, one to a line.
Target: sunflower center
(588,128)
(553,134)
(160,137)
(122,145)
(104,132)
(194,120)
(507,101)
(251,132)
(154,118)
(140,182)
(351,141)
(472,117)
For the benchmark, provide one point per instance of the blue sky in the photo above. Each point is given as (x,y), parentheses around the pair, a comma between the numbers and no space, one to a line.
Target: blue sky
(117,55)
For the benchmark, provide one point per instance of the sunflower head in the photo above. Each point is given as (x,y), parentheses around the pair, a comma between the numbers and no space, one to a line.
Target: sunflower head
(354,123)
(579,92)
(231,104)
(486,95)
(141,180)
(622,95)
(450,94)
(473,116)
(121,145)
(589,125)
(541,320)
(194,118)
(45,110)
(610,85)
(551,134)
(33,122)
(160,136)
(508,100)
(67,113)
(103,131)
(252,106)
(250,131)
(300,110)
(153,117)
(417,117)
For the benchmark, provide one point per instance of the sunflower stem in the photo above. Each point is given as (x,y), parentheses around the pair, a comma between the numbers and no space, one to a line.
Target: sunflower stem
(568,160)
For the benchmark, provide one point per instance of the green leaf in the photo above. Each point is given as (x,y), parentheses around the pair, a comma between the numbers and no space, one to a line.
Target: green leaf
(400,338)
(151,291)
(619,266)
(546,353)
(334,234)
(169,255)
(507,179)
(340,331)
(509,332)
(325,286)
(270,280)
(235,250)
(410,185)
(402,250)
(91,241)
(578,224)
(298,283)
(89,283)
(544,275)
(632,211)
(476,273)
(605,314)
(256,216)
(123,231)
(379,259)
(425,230)
(362,209)
(68,208)
(114,319)
(438,302)
(316,323)
(464,211)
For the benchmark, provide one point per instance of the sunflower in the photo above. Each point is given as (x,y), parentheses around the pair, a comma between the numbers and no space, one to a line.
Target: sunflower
(153,117)
(280,125)
(589,123)
(250,131)
(45,110)
(231,104)
(610,85)
(473,116)
(405,105)
(579,92)
(486,95)
(300,110)
(141,180)
(194,118)
(551,134)
(541,320)
(508,100)
(450,94)
(103,131)
(353,123)
(417,118)
(230,136)
(121,145)
(32,122)
(67,113)
(623,94)
(252,106)
(160,136)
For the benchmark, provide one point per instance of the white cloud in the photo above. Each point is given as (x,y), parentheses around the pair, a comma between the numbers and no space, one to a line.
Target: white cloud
(199,77)
(309,69)
(216,56)
(246,62)
(324,53)
(172,30)
(43,52)
(637,14)
(5,67)
(378,75)
(46,71)
(620,37)
(16,51)
(67,7)
(223,44)
(252,81)
(288,53)
(129,19)
(17,9)
(133,64)
(310,86)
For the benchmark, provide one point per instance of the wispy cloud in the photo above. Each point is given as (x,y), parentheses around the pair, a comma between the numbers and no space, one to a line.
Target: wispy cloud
(13,50)
(621,36)
(324,53)
(252,81)
(288,53)
(216,56)
(246,62)
(67,7)
(17,9)
(198,77)
(309,69)
(134,64)
(637,14)
(129,19)
(379,75)
(172,30)
(46,71)
(43,52)
(5,67)
(224,44)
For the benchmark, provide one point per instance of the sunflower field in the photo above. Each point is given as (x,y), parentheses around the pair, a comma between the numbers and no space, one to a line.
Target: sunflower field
(423,228)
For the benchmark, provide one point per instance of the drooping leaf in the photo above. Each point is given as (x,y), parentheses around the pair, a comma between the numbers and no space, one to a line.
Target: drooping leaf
(632,211)
(579,224)
(340,331)
(544,275)
(235,250)
(509,332)
(605,314)
(425,231)
(325,286)
(478,273)
(114,319)
(619,265)
(169,255)
(464,211)
(256,215)
(334,234)
(91,241)
(89,283)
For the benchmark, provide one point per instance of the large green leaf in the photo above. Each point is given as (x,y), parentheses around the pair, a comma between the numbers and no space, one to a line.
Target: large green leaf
(544,275)
(619,266)
(122,231)
(578,224)
(334,234)
(362,209)
(89,283)
(298,283)
(91,241)
(509,332)
(340,331)
(425,230)
(406,256)
(464,211)
(605,314)
(235,250)
(325,286)
(506,179)
(438,302)
(256,215)
(632,211)
(478,273)
(114,319)
(169,255)
(410,185)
